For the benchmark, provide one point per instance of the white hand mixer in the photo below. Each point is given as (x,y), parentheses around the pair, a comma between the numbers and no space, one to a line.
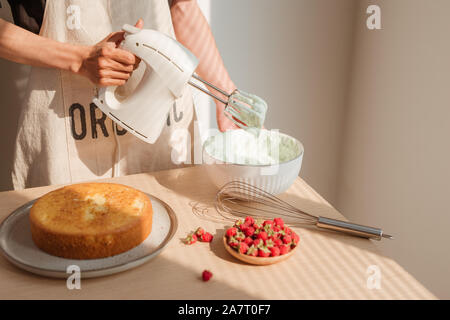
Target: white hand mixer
(169,68)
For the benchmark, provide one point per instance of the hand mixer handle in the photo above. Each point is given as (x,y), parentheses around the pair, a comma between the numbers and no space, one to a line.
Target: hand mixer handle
(167,57)
(169,67)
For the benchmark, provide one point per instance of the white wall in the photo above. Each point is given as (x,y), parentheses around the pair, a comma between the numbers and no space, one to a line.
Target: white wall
(396,153)
(295,54)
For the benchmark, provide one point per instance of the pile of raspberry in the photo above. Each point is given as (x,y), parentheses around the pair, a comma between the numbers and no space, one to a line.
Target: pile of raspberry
(261,238)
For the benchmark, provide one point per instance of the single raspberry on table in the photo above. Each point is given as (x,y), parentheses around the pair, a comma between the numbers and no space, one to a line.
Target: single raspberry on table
(206,237)
(274,251)
(231,232)
(190,239)
(206,275)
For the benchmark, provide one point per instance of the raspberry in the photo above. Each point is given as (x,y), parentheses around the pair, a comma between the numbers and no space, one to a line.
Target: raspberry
(252,251)
(190,239)
(279,222)
(248,241)
(244,226)
(287,239)
(268,223)
(257,242)
(231,232)
(276,228)
(262,235)
(284,249)
(269,243)
(287,230)
(240,236)
(257,224)
(242,247)
(270,232)
(249,220)
(232,242)
(295,238)
(263,252)
(206,275)
(206,237)
(249,231)
(274,251)
(200,231)
(277,242)
(273,237)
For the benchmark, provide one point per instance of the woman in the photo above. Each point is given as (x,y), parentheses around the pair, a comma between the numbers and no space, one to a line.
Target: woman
(63,137)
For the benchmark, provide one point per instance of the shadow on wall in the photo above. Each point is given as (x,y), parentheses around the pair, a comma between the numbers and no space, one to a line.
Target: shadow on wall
(12,88)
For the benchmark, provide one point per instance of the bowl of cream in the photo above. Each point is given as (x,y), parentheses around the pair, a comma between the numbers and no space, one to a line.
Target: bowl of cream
(267,159)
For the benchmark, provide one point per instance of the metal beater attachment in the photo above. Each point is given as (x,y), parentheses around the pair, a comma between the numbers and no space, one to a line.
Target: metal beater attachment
(244,109)
(242,199)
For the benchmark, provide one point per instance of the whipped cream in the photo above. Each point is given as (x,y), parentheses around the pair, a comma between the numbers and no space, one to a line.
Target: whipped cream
(252,146)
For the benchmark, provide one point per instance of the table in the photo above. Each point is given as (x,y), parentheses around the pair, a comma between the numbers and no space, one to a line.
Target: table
(327,265)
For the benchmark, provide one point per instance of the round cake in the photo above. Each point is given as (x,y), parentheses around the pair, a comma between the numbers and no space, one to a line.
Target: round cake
(91,220)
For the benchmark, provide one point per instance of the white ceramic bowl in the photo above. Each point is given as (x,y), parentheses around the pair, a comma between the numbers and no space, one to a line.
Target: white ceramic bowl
(274,179)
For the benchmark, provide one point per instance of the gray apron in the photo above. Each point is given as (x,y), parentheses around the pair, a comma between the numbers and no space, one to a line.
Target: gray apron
(63,137)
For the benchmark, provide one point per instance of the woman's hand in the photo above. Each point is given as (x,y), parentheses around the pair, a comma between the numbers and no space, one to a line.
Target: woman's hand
(104,64)
(107,65)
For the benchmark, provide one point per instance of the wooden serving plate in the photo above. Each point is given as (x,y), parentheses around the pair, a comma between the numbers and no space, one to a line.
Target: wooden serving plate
(260,261)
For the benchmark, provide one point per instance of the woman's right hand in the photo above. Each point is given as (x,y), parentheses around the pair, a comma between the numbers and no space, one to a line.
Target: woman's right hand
(107,65)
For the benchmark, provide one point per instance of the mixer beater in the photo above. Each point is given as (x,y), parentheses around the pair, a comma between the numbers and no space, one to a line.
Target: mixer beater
(244,109)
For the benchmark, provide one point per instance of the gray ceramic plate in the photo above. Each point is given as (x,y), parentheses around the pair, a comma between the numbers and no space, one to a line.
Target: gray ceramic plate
(18,247)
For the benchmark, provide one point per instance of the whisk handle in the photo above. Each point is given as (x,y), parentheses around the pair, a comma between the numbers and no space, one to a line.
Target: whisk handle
(351,228)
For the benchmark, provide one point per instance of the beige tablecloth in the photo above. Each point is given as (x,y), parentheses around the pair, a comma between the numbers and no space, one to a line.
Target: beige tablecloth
(327,265)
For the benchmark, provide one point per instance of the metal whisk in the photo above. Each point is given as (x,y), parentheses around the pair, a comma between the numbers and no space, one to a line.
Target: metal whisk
(244,109)
(242,199)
